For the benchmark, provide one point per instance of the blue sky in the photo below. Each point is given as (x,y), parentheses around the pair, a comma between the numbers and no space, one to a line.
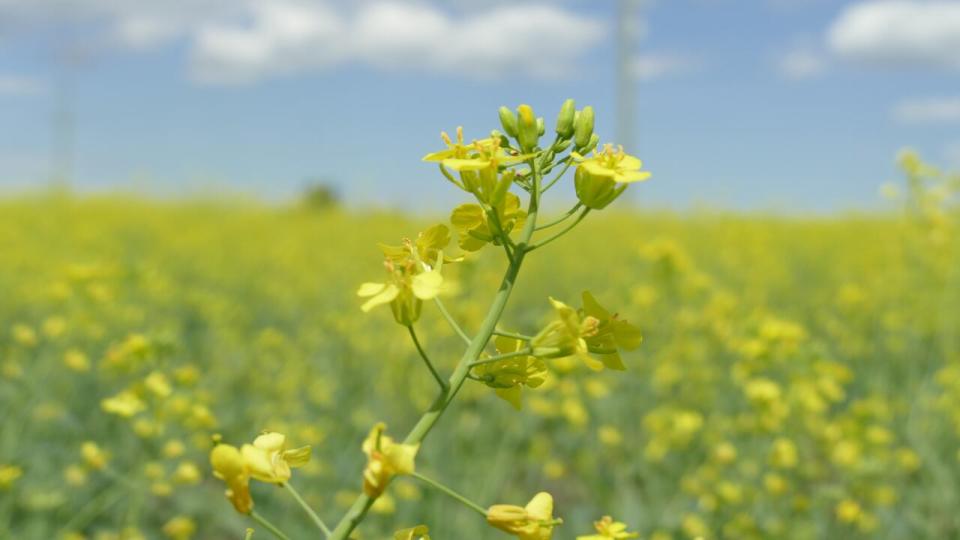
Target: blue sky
(746,104)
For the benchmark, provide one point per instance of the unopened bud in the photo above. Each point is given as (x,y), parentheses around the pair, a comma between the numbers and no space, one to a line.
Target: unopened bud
(594,141)
(565,119)
(509,121)
(527,128)
(584,127)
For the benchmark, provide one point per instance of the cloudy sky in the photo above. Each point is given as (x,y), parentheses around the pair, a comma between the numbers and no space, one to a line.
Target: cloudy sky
(760,104)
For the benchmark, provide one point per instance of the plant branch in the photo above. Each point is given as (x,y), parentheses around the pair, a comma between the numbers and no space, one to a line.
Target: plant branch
(560,220)
(356,513)
(453,323)
(268,526)
(426,359)
(563,171)
(521,337)
(451,493)
(565,230)
(306,508)
(526,351)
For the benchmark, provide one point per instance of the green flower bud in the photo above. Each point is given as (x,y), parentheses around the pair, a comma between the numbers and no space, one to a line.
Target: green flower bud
(565,119)
(584,127)
(563,145)
(527,128)
(594,141)
(596,191)
(509,121)
(406,309)
(503,185)
(541,127)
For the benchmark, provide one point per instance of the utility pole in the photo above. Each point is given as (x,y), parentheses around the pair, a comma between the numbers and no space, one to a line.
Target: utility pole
(63,125)
(629,28)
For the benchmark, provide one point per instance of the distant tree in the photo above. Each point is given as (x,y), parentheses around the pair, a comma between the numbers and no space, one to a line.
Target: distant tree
(319,195)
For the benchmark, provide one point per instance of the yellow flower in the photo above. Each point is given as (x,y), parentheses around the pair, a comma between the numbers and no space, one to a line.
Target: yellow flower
(93,455)
(385,459)
(125,404)
(847,511)
(613,333)
(478,164)
(8,475)
(607,528)
(415,533)
(582,332)
(531,522)
(158,384)
(601,178)
(474,225)
(268,459)
(414,276)
(228,465)
(565,336)
(180,528)
(76,360)
(508,376)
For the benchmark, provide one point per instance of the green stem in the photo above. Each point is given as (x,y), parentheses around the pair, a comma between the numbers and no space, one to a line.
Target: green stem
(450,177)
(451,493)
(563,232)
(560,220)
(453,322)
(249,535)
(362,504)
(522,352)
(557,178)
(426,359)
(262,521)
(306,508)
(521,337)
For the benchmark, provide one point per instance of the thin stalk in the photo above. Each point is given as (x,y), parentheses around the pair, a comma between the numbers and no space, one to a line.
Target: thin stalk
(306,508)
(451,493)
(262,521)
(521,337)
(526,351)
(563,232)
(557,178)
(453,322)
(450,177)
(426,359)
(560,220)
(422,428)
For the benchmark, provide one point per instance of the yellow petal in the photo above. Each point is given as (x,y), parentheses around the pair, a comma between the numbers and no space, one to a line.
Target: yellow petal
(402,457)
(297,457)
(227,462)
(258,463)
(385,296)
(270,441)
(512,395)
(370,289)
(631,176)
(427,285)
(541,506)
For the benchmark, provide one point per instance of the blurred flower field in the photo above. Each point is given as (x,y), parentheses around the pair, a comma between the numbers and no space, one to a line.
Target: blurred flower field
(799,378)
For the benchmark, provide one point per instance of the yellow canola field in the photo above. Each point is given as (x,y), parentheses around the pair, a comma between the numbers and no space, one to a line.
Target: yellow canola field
(799,378)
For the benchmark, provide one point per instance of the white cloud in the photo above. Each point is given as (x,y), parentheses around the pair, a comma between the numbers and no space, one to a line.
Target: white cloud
(534,39)
(937,110)
(899,33)
(801,64)
(11,85)
(236,41)
(651,66)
